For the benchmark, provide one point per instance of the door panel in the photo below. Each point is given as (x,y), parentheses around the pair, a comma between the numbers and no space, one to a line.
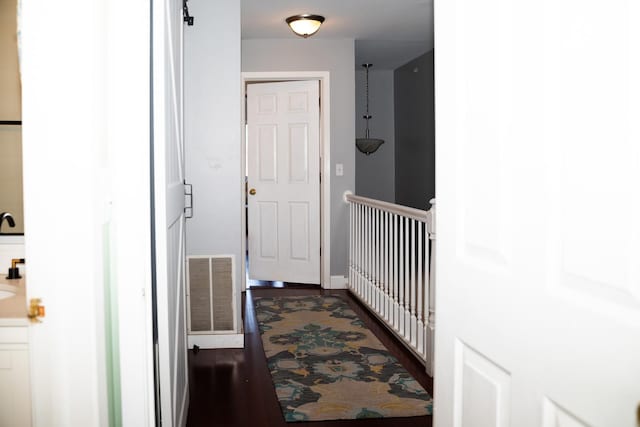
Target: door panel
(482,390)
(268,212)
(299,230)
(169,211)
(299,153)
(538,279)
(284,170)
(268,153)
(556,416)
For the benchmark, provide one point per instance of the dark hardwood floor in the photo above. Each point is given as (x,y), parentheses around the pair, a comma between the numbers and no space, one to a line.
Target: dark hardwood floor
(232,387)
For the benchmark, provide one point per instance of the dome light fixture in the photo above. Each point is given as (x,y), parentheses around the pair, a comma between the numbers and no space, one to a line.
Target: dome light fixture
(305,25)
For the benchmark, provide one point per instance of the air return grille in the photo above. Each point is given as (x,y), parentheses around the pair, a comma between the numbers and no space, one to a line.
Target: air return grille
(211,293)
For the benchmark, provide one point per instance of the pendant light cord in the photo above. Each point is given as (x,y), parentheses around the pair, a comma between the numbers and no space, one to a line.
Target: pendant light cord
(367,116)
(367,88)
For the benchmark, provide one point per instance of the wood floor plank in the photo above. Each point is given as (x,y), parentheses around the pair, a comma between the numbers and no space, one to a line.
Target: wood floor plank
(233,387)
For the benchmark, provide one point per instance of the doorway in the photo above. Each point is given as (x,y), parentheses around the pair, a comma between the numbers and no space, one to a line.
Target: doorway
(323,156)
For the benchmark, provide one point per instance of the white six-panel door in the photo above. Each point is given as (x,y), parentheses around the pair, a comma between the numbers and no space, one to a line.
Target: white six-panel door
(169,212)
(538,168)
(284,181)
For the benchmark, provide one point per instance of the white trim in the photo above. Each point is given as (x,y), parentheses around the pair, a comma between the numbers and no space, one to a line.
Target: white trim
(339,282)
(11,322)
(11,240)
(325,153)
(216,341)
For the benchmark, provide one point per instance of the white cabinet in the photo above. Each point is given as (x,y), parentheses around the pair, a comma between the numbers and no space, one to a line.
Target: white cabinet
(15,390)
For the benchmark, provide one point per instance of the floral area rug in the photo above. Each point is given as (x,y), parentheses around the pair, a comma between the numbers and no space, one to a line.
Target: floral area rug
(327,365)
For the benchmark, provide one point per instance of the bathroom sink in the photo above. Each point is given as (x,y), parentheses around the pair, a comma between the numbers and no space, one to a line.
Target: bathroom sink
(7,291)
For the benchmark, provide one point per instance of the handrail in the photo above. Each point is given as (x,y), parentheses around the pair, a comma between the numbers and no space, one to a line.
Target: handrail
(413,213)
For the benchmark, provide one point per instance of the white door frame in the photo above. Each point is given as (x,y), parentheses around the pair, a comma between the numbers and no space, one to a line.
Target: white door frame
(325,167)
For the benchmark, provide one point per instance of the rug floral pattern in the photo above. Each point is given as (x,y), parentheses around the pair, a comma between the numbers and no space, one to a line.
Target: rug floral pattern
(327,365)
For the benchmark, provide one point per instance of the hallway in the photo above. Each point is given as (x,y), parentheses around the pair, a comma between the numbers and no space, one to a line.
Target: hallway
(232,387)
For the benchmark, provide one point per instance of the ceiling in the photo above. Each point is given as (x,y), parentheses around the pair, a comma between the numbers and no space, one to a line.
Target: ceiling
(388,33)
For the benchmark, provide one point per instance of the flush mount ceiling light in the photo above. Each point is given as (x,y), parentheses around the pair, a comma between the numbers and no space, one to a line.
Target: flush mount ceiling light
(305,25)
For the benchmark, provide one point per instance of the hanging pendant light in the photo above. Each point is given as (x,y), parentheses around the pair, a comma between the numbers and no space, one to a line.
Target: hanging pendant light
(368,145)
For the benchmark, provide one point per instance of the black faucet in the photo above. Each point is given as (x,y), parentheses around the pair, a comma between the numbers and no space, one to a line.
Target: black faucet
(9,218)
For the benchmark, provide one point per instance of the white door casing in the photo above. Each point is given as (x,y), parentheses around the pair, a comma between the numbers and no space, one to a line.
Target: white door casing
(284,176)
(538,162)
(169,211)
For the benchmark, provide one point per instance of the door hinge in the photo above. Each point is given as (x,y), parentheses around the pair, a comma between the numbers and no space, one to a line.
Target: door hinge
(188,200)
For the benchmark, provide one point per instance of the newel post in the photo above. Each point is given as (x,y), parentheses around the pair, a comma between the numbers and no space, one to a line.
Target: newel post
(431,325)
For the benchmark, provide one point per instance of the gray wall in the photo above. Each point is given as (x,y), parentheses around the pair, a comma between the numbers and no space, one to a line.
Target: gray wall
(212,113)
(375,173)
(335,56)
(415,132)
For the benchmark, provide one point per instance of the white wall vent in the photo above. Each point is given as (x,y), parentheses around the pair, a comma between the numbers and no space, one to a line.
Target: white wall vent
(211,294)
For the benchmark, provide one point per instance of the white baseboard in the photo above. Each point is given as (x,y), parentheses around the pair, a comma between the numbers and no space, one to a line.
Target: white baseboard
(338,282)
(216,341)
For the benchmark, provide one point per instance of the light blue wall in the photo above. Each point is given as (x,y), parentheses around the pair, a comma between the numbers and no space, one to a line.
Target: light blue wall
(212,113)
(335,56)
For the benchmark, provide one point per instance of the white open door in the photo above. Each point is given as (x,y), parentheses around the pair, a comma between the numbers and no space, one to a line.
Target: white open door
(538,166)
(90,357)
(171,357)
(284,181)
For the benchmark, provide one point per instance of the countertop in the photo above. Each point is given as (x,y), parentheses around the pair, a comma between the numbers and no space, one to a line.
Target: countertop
(15,307)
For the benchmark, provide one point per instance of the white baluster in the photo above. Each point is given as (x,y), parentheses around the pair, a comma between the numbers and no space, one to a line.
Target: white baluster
(355,246)
(367,246)
(372,257)
(389,268)
(360,247)
(407,315)
(427,290)
(351,243)
(421,331)
(380,261)
(362,250)
(385,270)
(359,243)
(401,274)
(396,306)
(356,254)
(375,259)
(413,284)
(431,328)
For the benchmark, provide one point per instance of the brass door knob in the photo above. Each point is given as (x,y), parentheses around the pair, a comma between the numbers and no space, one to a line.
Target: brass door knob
(252,191)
